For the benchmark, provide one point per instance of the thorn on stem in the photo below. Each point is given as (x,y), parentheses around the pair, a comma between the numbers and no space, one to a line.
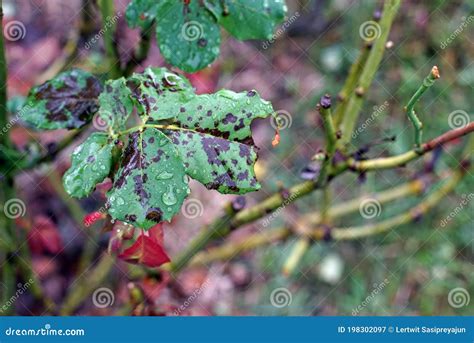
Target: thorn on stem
(311,171)
(327,235)
(377,15)
(359,91)
(325,101)
(284,192)
(238,203)
(435,72)
(417,214)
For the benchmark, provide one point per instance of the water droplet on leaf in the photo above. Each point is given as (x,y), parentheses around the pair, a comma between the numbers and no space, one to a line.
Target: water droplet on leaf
(164,175)
(169,198)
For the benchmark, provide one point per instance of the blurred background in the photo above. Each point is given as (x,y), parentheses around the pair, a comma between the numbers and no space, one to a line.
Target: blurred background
(409,271)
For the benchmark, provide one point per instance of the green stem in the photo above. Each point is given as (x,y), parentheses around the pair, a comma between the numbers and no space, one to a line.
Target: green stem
(109,26)
(155,126)
(383,197)
(295,256)
(217,229)
(86,285)
(331,139)
(326,204)
(7,190)
(373,229)
(368,73)
(276,200)
(402,159)
(302,245)
(350,84)
(141,51)
(427,83)
(51,155)
(77,213)
(232,249)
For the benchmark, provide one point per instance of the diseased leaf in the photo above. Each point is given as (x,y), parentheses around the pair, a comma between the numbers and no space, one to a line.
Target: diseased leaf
(188,34)
(207,137)
(216,162)
(217,149)
(116,104)
(156,90)
(248,19)
(213,135)
(91,163)
(67,101)
(150,185)
(141,13)
(223,114)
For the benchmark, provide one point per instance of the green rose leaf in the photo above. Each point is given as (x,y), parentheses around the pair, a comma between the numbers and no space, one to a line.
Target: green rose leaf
(217,163)
(207,137)
(216,141)
(156,90)
(151,184)
(224,114)
(212,131)
(188,32)
(141,13)
(116,104)
(248,19)
(91,164)
(66,102)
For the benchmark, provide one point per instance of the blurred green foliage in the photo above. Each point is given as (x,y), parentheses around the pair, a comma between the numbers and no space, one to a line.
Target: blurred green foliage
(422,261)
